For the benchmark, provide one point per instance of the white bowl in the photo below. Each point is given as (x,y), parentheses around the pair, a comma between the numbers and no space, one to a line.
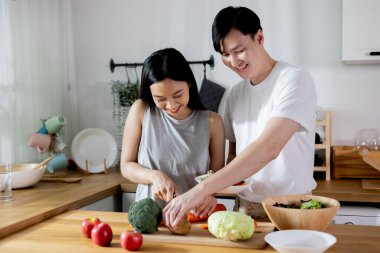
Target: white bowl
(300,241)
(24,175)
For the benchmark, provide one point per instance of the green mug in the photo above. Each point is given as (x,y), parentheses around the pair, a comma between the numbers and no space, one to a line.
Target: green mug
(55,124)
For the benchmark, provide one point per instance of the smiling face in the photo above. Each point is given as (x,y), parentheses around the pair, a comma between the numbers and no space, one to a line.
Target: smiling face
(172,97)
(244,54)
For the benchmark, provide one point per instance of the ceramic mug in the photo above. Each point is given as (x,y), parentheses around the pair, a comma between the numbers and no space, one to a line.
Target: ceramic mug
(58,162)
(55,124)
(43,130)
(40,141)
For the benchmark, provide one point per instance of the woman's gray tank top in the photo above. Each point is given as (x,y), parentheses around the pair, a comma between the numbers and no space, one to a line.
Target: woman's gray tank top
(180,148)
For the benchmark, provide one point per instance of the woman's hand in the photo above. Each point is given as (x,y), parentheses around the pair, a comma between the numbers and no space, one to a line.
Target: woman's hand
(163,186)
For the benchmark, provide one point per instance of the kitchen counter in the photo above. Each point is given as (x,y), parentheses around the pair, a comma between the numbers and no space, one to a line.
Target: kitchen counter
(48,199)
(63,234)
(39,218)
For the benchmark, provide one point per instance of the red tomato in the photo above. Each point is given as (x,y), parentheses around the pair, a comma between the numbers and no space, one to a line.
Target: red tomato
(192,218)
(101,234)
(88,224)
(219,207)
(131,240)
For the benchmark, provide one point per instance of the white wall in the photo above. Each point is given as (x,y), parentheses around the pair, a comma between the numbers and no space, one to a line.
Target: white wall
(302,32)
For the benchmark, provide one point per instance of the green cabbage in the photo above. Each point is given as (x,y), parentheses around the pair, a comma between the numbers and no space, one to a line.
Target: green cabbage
(231,225)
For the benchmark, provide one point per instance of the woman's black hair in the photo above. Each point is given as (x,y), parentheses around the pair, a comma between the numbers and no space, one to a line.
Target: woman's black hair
(168,63)
(239,18)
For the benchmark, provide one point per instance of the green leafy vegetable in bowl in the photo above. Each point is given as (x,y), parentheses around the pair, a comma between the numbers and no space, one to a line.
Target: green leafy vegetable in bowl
(312,204)
(308,204)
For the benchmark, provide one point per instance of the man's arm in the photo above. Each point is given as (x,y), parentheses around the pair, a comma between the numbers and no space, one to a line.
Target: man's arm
(254,157)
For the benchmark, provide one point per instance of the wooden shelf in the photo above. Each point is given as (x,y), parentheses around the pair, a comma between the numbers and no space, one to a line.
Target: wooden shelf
(371,157)
(320,123)
(320,146)
(326,145)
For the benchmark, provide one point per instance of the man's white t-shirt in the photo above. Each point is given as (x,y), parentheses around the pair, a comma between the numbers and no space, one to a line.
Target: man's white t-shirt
(287,92)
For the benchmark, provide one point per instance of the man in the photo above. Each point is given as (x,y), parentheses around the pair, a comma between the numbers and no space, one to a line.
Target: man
(269,119)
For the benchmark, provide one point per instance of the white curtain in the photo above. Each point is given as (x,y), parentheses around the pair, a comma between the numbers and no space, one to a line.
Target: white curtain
(7,83)
(36,77)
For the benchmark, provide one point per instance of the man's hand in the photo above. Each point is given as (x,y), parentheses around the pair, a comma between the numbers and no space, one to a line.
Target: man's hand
(178,207)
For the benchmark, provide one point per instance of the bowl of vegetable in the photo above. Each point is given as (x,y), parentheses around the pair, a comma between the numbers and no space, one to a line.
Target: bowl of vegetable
(308,212)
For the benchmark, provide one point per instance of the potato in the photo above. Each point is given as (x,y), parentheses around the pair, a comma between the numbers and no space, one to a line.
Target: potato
(182,228)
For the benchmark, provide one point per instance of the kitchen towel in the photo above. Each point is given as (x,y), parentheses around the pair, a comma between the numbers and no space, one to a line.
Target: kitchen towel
(211,94)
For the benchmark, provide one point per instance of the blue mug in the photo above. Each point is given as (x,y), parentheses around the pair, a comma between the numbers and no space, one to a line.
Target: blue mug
(43,130)
(58,162)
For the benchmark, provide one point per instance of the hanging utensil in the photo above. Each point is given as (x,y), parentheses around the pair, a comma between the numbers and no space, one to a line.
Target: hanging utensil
(137,76)
(126,71)
(61,179)
(43,163)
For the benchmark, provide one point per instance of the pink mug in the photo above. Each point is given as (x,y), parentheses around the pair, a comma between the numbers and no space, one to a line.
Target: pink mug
(40,141)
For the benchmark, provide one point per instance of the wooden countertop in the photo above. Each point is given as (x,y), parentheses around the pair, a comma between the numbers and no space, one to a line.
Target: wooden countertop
(63,234)
(349,190)
(47,199)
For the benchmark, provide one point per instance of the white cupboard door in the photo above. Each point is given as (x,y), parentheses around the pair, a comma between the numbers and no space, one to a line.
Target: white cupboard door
(361,31)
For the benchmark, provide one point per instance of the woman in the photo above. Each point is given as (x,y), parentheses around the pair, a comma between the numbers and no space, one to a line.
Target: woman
(169,138)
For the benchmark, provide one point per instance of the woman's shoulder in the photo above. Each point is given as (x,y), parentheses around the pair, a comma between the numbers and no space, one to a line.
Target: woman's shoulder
(215,118)
(139,104)
(138,108)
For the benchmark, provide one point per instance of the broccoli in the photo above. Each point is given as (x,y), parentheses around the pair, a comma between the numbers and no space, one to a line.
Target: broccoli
(145,215)
(312,204)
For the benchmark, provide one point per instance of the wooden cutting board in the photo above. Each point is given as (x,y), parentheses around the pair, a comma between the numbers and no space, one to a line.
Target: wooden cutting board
(200,236)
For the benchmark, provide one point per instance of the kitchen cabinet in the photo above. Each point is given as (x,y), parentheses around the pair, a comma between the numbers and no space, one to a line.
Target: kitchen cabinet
(358,215)
(325,124)
(127,200)
(109,204)
(360,31)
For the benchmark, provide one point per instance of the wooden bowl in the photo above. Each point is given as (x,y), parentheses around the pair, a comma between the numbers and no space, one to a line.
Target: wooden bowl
(290,218)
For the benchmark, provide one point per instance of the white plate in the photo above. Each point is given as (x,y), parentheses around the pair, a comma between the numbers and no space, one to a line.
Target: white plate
(231,189)
(298,240)
(94,145)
